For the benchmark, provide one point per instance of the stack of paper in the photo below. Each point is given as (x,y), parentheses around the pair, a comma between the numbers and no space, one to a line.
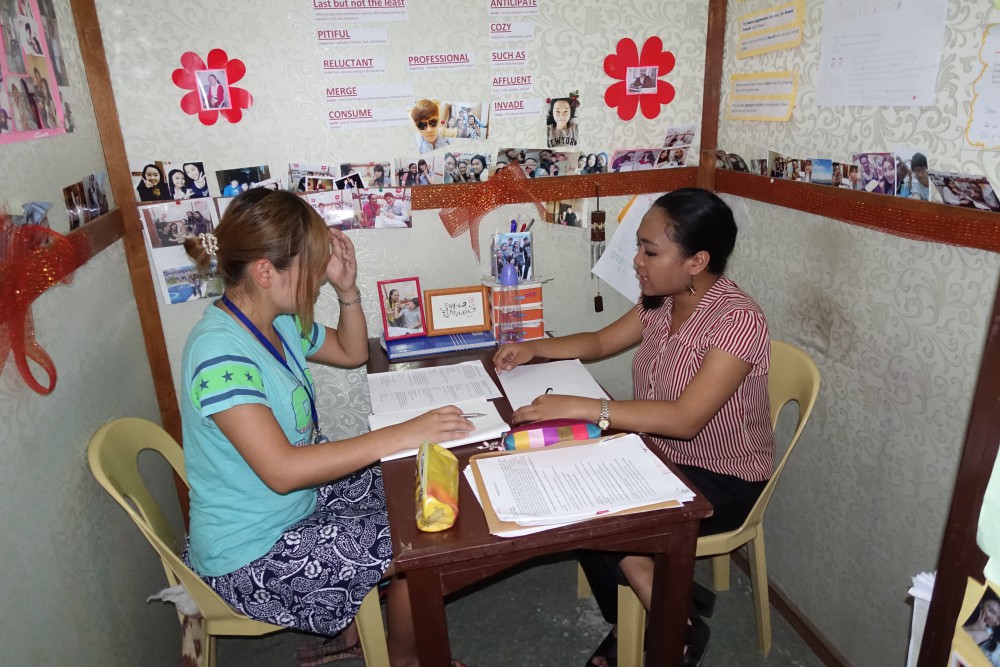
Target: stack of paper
(552,487)
(489,425)
(569,376)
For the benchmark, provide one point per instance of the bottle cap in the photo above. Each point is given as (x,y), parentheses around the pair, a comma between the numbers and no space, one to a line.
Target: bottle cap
(508,275)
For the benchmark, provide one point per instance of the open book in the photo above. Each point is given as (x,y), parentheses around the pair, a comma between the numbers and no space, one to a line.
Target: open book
(489,425)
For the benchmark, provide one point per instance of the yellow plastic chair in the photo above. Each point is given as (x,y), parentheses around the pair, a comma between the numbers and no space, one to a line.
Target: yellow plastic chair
(114,454)
(793,377)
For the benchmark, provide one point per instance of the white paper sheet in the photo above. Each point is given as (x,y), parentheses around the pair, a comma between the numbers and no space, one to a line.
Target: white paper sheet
(525,383)
(880,52)
(615,265)
(430,387)
(983,128)
(568,484)
(488,427)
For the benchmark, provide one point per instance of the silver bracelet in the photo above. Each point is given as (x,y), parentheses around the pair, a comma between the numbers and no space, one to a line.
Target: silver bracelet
(353,302)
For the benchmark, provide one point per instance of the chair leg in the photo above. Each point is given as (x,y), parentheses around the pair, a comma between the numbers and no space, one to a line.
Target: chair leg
(371,630)
(758,578)
(720,572)
(582,585)
(631,628)
(208,652)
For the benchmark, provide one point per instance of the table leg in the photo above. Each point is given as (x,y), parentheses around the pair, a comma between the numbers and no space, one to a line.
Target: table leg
(429,621)
(673,574)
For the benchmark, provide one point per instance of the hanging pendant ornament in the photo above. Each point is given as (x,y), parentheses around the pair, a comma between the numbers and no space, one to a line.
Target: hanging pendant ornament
(597,218)
(211,84)
(639,75)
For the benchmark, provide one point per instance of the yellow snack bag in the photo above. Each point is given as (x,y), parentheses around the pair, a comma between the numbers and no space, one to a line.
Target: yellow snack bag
(437,488)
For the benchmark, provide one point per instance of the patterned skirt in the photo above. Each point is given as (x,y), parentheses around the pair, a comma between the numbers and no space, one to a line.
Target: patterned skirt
(316,575)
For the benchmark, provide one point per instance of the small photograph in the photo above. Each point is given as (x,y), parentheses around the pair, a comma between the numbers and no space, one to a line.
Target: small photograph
(758,167)
(541,162)
(777,164)
(320,184)
(981,626)
(374,174)
(402,308)
(513,248)
(672,157)
(567,213)
(965,190)
(336,207)
(428,120)
(299,172)
(213,89)
(736,163)
(44,98)
(878,172)
(822,171)
(151,181)
(183,282)
(276,183)
(96,186)
(636,159)
(44,6)
(234,181)
(793,169)
(30,36)
(35,213)
(76,207)
(55,51)
(195,185)
(912,181)
(349,182)
(561,120)
(840,175)
(468,120)
(12,39)
(412,172)
(642,80)
(166,225)
(390,209)
(588,163)
(68,121)
(679,135)
(6,111)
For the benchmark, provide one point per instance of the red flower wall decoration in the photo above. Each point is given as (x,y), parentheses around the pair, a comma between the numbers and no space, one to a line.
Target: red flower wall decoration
(211,85)
(637,87)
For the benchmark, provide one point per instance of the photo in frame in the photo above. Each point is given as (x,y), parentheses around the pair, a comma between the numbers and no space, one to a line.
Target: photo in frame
(512,248)
(457,310)
(402,308)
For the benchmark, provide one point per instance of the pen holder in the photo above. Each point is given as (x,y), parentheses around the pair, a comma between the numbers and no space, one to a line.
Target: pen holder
(549,432)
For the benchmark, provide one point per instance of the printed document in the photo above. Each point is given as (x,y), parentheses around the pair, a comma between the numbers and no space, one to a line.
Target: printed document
(430,387)
(483,414)
(569,376)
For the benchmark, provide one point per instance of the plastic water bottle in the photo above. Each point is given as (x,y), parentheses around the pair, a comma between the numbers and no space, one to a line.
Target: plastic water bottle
(510,322)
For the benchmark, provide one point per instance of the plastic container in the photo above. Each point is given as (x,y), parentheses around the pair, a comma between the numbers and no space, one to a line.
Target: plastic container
(510,324)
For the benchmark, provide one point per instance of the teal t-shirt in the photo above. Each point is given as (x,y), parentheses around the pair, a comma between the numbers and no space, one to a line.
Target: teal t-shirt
(235,517)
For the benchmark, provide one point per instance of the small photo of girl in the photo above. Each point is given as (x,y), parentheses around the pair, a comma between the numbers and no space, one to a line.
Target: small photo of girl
(213,89)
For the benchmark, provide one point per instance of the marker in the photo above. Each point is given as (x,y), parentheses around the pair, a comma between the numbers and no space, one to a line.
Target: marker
(513,226)
(524,227)
(469,415)
(530,223)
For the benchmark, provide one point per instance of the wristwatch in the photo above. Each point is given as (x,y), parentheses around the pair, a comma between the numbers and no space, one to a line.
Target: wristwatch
(604,421)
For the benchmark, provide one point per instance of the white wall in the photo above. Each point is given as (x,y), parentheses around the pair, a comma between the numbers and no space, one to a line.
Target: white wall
(75,570)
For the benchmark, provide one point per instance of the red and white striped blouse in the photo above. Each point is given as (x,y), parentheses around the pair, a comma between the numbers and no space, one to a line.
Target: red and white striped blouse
(738,440)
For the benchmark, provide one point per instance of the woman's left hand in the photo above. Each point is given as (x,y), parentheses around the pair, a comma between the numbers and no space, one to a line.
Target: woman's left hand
(553,406)
(342,269)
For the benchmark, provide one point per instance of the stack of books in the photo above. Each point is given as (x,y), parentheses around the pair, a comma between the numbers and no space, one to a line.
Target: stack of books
(422,346)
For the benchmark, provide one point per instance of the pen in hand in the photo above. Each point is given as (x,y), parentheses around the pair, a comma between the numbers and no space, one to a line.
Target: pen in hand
(469,415)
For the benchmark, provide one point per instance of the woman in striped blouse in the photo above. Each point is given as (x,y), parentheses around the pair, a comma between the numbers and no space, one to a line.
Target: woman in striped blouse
(699,378)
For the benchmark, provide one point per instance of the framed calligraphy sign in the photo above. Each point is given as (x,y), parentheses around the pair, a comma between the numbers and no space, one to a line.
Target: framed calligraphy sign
(457,310)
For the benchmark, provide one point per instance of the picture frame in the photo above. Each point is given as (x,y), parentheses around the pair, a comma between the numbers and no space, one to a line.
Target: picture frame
(457,310)
(513,247)
(401,302)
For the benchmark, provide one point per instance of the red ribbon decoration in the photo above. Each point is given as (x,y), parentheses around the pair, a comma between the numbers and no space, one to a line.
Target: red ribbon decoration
(507,186)
(32,259)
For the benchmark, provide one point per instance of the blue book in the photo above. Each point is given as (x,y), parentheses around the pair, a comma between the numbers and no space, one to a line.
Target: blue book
(422,346)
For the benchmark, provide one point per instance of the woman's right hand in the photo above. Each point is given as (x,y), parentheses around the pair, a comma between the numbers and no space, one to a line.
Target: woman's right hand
(512,355)
(436,425)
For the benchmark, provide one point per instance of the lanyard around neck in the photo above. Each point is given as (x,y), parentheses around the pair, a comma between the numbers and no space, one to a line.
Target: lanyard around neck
(277,355)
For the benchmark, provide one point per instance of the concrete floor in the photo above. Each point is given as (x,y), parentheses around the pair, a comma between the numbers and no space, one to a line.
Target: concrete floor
(532,618)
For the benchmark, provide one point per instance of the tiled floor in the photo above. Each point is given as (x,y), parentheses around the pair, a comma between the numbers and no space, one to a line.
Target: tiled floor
(532,618)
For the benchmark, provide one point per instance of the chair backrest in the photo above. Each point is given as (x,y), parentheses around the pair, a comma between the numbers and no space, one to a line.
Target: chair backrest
(793,377)
(113,454)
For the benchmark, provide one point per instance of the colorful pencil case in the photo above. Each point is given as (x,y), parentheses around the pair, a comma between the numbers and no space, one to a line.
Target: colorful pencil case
(549,432)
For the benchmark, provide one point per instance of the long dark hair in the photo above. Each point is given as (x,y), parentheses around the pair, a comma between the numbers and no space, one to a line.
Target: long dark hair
(697,220)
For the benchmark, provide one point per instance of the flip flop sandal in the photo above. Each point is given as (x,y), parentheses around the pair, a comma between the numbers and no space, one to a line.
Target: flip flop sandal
(607,649)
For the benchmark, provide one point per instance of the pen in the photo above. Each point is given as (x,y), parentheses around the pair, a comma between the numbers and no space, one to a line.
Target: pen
(513,226)
(549,390)
(524,226)
(530,223)
(468,415)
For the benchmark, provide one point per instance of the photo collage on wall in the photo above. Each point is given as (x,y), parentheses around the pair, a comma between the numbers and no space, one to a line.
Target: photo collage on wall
(32,71)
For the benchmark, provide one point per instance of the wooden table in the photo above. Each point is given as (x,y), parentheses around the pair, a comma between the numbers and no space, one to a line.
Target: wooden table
(436,564)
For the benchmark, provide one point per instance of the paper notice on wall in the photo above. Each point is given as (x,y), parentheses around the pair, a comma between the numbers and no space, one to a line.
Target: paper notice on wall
(771,29)
(523,108)
(513,7)
(354,65)
(511,31)
(436,61)
(615,265)
(339,119)
(768,96)
(507,83)
(880,52)
(983,129)
(399,92)
(352,37)
(499,59)
(343,11)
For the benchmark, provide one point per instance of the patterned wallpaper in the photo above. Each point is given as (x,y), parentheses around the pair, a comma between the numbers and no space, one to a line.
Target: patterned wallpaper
(73,561)
(896,327)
